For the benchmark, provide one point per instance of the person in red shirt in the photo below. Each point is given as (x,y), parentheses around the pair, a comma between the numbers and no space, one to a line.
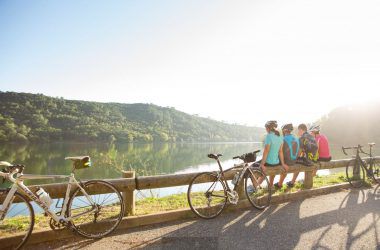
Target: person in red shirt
(322,142)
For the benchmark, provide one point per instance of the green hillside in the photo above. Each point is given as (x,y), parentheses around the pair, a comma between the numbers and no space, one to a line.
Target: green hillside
(35,117)
(353,124)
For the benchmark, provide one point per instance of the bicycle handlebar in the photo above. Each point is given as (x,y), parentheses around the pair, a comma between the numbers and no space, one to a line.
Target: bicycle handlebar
(359,148)
(247,157)
(9,171)
(344,150)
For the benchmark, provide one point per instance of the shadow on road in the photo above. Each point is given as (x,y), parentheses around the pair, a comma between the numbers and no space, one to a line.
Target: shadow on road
(280,226)
(336,221)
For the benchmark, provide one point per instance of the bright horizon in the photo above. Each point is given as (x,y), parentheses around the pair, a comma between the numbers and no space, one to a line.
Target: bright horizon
(241,62)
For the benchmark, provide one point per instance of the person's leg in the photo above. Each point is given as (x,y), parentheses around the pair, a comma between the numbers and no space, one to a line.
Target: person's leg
(295,175)
(314,172)
(271,180)
(281,181)
(260,179)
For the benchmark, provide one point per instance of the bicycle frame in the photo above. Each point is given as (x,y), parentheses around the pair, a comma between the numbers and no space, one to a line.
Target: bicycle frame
(18,185)
(224,181)
(362,163)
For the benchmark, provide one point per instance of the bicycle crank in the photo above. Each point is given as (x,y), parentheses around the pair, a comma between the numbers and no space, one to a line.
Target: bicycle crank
(233,197)
(56,225)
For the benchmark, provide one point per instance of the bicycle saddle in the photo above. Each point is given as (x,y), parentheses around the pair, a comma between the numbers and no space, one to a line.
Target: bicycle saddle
(5,164)
(372,144)
(214,156)
(77,158)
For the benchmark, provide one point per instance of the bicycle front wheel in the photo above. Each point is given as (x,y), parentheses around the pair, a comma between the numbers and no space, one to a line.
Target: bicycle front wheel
(96,211)
(18,220)
(257,188)
(207,195)
(355,173)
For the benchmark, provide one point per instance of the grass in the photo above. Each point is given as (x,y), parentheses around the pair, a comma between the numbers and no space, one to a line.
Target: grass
(153,205)
(318,181)
(20,224)
(172,202)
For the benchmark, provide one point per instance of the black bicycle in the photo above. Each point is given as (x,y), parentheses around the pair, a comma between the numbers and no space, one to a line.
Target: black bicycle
(357,168)
(209,192)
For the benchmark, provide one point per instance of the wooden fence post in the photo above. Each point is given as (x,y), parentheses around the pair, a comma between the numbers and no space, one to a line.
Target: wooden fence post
(240,189)
(309,175)
(129,196)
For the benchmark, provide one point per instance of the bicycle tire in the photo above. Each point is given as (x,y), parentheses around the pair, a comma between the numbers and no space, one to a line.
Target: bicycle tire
(253,189)
(194,198)
(375,166)
(357,181)
(24,239)
(93,230)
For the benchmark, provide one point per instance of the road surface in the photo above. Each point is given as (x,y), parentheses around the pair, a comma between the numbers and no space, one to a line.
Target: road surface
(343,220)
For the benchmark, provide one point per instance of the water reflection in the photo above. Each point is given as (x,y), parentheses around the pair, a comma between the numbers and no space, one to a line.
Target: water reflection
(109,159)
(145,159)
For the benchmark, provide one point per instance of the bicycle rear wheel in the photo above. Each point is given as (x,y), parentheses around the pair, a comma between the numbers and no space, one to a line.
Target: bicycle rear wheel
(376,171)
(207,195)
(257,188)
(18,221)
(101,218)
(355,173)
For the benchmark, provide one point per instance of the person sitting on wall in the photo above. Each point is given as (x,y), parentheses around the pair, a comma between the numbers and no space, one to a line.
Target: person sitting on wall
(273,153)
(290,150)
(308,151)
(322,142)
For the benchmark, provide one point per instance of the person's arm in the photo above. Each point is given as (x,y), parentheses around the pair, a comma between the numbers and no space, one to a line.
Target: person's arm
(302,147)
(319,139)
(265,155)
(281,154)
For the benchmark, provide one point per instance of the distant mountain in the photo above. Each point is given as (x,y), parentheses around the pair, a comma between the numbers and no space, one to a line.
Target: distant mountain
(35,117)
(353,124)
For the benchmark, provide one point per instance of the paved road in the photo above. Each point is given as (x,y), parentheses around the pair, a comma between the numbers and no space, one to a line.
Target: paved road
(344,220)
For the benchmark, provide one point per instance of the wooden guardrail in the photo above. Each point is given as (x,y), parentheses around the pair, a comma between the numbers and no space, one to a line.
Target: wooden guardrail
(129,183)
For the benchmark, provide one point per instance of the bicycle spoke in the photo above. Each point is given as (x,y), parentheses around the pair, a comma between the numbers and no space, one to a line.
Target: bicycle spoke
(106,214)
(257,193)
(206,195)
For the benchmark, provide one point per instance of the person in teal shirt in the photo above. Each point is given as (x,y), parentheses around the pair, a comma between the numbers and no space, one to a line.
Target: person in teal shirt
(273,154)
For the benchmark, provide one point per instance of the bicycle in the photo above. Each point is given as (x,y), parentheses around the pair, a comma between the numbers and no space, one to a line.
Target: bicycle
(209,192)
(357,168)
(93,210)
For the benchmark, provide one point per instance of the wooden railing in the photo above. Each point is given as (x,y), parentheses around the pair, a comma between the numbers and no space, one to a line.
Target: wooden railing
(129,183)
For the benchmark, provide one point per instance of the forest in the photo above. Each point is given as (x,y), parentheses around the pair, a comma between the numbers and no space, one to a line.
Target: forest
(28,117)
(352,124)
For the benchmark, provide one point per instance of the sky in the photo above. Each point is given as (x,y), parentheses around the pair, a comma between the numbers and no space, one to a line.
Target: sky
(237,61)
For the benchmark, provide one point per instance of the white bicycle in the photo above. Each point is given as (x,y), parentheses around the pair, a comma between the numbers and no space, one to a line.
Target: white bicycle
(93,209)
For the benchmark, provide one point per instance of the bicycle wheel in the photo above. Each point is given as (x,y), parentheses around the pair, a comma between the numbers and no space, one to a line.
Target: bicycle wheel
(355,173)
(101,218)
(257,188)
(376,171)
(18,221)
(207,195)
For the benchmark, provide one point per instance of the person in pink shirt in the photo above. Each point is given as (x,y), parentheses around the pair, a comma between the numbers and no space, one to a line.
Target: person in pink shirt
(322,142)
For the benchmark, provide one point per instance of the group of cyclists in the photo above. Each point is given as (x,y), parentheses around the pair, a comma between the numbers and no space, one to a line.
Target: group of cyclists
(286,149)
